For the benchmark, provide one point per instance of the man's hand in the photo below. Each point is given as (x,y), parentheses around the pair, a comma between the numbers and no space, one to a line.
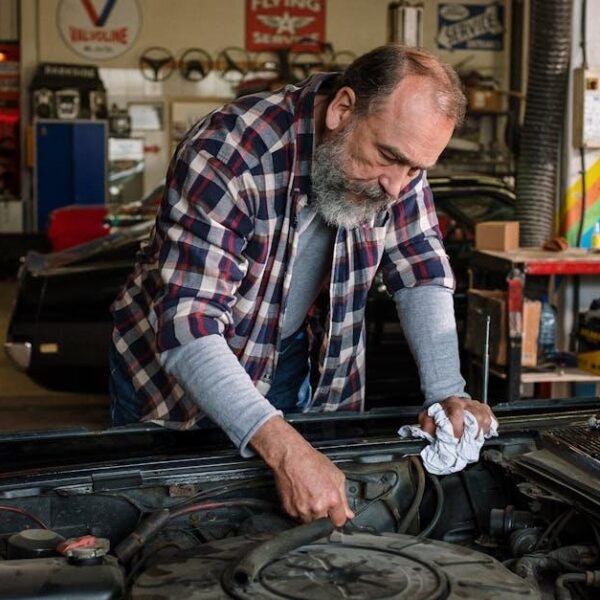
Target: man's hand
(455,407)
(309,484)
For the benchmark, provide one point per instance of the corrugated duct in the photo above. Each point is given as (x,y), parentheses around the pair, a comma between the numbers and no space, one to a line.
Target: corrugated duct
(541,136)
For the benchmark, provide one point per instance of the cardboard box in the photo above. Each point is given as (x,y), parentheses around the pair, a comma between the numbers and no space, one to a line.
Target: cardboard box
(493,303)
(497,235)
(532,311)
(485,100)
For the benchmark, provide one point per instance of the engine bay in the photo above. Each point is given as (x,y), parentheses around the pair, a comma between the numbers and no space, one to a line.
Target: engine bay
(524,522)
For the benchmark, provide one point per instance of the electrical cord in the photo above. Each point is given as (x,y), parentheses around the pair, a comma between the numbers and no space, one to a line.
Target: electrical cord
(470,498)
(555,528)
(155,521)
(24,513)
(583,43)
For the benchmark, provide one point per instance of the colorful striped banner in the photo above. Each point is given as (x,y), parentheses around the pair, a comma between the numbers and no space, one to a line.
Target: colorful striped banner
(571,210)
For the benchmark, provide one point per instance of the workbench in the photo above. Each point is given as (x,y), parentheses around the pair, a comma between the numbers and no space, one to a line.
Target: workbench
(516,265)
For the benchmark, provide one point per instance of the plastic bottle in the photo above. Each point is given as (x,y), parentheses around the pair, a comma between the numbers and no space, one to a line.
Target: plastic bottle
(547,334)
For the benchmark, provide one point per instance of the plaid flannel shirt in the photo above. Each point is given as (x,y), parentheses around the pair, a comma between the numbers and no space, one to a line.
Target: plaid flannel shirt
(220,258)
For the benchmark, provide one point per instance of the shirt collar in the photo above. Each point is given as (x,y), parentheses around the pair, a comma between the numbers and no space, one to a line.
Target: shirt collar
(304,126)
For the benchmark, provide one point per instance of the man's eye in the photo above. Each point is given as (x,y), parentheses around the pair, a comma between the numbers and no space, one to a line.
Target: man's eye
(388,157)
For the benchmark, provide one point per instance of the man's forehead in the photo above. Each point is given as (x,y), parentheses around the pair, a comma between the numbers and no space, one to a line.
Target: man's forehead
(409,125)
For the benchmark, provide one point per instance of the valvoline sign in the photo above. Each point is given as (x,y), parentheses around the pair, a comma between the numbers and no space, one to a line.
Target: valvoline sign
(273,24)
(99,29)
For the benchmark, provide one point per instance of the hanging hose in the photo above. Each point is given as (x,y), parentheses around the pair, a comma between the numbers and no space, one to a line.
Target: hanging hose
(541,137)
(412,512)
(437,486)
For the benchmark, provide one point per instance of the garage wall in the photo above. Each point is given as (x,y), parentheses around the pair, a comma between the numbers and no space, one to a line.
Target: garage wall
(355,25)
(571,190)
(9,28)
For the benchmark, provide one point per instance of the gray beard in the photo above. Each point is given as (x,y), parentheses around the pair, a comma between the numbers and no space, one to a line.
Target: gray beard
(330,187)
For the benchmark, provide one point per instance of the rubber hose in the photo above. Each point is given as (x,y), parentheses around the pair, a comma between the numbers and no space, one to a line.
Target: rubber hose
(410,515)
(541,135)
(439,491)
(248,568)
(561,592)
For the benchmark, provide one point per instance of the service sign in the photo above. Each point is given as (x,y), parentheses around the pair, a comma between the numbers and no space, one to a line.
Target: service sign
(273,24)
(470,26)
(99,29)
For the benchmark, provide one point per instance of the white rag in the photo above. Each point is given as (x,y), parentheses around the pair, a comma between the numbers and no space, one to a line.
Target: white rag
(445,453)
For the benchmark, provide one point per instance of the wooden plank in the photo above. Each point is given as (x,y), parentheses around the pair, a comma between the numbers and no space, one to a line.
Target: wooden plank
(570,374)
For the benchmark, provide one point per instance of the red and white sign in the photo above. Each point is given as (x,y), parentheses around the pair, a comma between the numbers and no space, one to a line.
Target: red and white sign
(99,29)
(272,24)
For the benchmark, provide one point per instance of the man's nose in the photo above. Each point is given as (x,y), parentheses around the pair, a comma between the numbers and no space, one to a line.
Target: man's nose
(394,181)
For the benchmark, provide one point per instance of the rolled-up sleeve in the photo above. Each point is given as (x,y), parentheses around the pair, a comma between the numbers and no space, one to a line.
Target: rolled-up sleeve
(205,223)
(414,252)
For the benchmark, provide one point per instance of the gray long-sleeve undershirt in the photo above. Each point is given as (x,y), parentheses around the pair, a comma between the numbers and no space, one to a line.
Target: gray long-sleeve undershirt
(211,374)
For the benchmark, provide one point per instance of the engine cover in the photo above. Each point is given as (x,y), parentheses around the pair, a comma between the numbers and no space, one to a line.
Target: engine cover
(356,566)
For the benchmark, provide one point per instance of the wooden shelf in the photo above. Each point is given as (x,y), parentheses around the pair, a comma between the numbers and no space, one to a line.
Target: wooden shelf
(569,374)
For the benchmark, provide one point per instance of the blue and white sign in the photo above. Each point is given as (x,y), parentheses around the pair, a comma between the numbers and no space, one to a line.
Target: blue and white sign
(470,26)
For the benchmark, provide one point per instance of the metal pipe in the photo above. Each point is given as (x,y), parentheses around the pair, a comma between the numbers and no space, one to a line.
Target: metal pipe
(486,362)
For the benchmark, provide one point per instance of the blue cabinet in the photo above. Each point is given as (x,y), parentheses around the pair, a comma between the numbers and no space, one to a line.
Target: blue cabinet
(70,166)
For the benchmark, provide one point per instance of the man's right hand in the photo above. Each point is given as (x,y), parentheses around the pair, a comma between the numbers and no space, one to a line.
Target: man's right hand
(309,484)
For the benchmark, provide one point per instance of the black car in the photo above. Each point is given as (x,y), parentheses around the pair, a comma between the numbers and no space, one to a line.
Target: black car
(60,327)
(146,513)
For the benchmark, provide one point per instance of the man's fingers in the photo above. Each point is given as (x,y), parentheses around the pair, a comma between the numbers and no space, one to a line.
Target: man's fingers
(484,416)
(455,407)
(456,416)
(427,423)
(338,514)
(347,510)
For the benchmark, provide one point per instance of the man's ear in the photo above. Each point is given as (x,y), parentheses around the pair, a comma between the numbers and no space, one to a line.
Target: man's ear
(340,108)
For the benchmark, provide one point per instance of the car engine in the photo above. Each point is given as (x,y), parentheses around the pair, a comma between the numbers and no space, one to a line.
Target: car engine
(522,523)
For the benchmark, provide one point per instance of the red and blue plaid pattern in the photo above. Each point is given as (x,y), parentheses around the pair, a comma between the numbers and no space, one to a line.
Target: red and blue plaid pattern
(221,254)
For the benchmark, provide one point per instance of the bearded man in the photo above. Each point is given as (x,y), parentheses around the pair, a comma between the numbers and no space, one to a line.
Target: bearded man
(248,300)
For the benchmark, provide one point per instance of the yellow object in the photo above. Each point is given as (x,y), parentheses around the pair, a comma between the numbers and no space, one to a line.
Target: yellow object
(589,361)
(596,236)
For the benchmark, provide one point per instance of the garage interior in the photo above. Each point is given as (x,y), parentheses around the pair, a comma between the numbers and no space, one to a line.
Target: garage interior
(146,101)
(95,97)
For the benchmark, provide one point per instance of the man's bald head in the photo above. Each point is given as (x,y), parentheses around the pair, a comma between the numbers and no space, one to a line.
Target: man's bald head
(375,75)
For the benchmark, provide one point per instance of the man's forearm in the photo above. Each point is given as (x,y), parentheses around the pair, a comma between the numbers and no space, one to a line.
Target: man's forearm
(211,375)
(427,317)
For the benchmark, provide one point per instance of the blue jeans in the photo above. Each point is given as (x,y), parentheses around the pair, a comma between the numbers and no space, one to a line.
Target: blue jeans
(289,392)
(125,404)
(290,389)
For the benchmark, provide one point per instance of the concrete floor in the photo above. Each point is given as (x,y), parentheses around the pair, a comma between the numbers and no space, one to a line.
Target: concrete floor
(25,406)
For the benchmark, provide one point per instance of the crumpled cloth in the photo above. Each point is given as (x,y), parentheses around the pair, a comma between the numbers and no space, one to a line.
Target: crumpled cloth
(445,453)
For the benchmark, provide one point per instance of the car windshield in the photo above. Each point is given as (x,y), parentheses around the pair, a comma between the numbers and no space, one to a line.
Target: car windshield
(475,208)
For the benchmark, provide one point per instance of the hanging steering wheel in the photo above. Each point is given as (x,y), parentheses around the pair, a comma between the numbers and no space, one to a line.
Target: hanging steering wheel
(341,60)
(195,64)
(232,63)
(157,63)
(308,56)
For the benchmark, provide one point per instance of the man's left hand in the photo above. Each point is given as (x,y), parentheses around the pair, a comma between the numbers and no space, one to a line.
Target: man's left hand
(455,407)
